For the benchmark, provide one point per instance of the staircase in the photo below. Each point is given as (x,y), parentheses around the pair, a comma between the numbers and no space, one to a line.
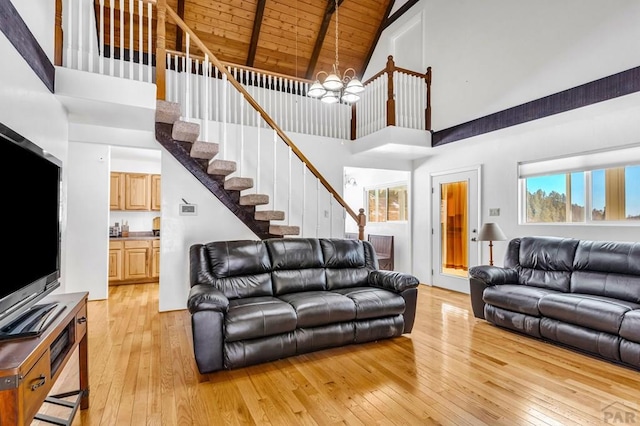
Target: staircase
(180,138)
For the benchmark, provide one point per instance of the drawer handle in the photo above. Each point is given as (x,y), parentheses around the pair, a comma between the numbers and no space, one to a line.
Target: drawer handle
(41,380)
(82,320)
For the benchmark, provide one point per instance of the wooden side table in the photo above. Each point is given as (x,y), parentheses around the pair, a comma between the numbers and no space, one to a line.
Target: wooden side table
(29,367)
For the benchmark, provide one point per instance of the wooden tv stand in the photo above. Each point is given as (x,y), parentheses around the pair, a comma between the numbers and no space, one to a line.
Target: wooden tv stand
(29,367)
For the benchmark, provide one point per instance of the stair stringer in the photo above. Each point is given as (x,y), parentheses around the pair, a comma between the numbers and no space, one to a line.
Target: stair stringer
(198,168)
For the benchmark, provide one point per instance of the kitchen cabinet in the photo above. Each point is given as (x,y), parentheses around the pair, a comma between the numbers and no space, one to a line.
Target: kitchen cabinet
(133,261)
(135,191)
(116,191)
(115,260)
(155,193)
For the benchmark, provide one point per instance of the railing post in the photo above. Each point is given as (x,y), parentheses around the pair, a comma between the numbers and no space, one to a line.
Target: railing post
(161,49)
(354,123)
(391,102)
(57,53)
(362,222)
(427,110)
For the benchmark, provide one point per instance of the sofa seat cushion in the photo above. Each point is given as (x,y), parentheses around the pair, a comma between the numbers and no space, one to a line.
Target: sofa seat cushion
(516,297)
(630,328)
(255,317)
(594,312)
(373,302)
(314,308)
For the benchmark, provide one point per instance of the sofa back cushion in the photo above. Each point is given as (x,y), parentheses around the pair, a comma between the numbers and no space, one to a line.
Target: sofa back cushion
(297,265)
(236,268)
(544,262)
(607,268)
(347,262)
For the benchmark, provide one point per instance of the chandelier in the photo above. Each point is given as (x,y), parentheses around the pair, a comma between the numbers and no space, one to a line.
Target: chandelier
(335,87)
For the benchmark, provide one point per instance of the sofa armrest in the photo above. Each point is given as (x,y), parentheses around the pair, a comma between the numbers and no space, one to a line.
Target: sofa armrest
(494,275)
(390,280)
(203,297)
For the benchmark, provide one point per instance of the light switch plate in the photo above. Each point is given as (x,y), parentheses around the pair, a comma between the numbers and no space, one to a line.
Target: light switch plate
(494,212)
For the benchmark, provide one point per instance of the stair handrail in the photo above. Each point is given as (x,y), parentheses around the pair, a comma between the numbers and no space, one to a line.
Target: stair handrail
(360,218)
(240,66)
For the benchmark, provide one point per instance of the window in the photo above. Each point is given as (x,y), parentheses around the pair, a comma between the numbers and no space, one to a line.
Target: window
(388,204)
(590,196)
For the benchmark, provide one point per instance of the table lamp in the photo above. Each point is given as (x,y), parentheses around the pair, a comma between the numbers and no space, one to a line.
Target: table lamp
(491,232)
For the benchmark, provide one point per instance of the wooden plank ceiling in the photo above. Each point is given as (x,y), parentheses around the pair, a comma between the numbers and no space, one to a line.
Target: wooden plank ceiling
(291,37)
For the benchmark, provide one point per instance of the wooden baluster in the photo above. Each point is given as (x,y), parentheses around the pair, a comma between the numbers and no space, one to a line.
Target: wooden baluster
(161,11)
(354,123)
(140,38)
(101,41)
(427,111)
(362,222)
(57,55)
(149,36)
(391,102)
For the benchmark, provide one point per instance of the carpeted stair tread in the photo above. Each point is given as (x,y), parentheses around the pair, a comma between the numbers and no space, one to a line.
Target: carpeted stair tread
(221,167)
(254,199)
(167,112)
(238,184)
(284,230)
(204,150)
(185,131)
(269,215)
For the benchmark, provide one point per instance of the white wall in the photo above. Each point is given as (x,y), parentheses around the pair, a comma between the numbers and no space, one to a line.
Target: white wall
(493,54)
(88,215)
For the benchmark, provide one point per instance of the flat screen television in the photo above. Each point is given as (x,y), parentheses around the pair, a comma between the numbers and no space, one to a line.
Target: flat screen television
(31,186)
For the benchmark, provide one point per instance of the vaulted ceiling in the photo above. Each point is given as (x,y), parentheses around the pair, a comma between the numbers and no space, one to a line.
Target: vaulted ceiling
(291,37)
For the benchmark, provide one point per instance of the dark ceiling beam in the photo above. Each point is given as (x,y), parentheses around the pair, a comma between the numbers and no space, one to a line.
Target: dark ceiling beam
(404,9)
(179,32)
(255,34)
(381,27)
(322,32)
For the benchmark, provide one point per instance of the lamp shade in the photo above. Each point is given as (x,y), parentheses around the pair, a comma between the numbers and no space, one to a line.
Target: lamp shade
(316,90)
(491,232)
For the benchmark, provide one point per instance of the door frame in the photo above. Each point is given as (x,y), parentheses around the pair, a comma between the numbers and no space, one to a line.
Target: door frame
(434,243)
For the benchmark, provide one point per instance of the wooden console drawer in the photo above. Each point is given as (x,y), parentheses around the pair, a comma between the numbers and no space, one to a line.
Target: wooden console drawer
(36,385)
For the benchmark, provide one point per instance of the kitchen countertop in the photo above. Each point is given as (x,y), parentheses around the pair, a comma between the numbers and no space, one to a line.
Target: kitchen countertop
(136,236)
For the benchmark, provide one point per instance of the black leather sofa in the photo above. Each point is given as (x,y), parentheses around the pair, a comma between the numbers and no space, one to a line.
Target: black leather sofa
(257,301)
(581,294)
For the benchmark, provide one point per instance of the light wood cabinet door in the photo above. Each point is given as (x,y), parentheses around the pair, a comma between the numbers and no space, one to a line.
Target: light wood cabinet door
(115,260)
(137,191)
(156,201)
(136,263)
(116,191)
(155,260)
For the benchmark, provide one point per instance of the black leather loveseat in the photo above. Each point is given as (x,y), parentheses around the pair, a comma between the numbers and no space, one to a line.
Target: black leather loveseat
(580,294)
(256,301)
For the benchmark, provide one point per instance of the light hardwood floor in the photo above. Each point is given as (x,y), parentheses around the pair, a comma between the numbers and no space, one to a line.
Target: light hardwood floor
(452,369)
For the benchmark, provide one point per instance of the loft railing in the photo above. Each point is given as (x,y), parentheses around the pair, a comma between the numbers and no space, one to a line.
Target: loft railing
(233,91)
(118,38)
(283,97)
(393,97)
